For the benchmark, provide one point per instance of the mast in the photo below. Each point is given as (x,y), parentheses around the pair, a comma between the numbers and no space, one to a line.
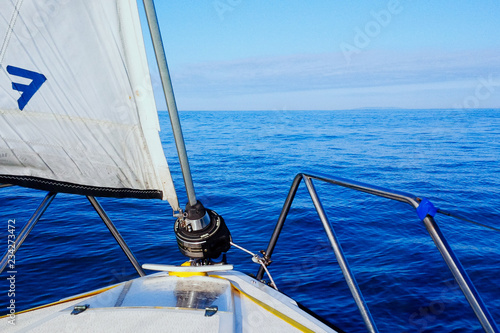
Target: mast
(170,98)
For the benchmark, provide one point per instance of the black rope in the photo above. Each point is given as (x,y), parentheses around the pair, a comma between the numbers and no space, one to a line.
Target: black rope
(467,220)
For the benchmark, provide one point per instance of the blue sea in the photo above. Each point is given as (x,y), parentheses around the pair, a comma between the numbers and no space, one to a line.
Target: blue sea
(243,164)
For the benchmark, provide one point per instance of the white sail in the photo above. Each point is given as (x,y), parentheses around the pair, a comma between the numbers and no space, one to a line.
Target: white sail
(77,111)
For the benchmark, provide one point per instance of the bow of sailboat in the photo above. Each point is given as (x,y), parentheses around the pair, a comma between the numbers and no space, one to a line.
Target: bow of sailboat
(222,301)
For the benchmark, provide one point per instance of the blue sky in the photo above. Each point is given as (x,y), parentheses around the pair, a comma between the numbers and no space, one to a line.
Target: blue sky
(328,55)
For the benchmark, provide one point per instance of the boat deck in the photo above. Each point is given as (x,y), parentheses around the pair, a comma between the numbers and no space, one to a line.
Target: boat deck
(226,302)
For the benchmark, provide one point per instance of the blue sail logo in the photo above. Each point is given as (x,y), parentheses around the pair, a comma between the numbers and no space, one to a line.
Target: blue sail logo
(27,91)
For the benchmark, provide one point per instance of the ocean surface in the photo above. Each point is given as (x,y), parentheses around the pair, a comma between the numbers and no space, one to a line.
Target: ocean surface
(243,164)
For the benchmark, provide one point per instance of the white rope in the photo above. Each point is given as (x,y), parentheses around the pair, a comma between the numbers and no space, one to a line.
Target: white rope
(259,260)
(243,249)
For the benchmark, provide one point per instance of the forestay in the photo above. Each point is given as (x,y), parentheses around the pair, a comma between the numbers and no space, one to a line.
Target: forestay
(77,111)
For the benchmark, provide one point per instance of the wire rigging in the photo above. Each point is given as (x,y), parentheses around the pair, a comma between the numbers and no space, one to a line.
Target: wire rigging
(467,220)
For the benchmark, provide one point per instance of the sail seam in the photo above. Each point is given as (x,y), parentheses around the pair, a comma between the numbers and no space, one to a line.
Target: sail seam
(45,116)
(13,21)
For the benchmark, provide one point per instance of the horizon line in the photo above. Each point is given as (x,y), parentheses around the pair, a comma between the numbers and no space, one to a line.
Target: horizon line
(353,109)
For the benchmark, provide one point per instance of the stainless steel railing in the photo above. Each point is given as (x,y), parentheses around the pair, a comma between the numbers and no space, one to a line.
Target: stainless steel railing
(459,273)
(19,239)
(25,231)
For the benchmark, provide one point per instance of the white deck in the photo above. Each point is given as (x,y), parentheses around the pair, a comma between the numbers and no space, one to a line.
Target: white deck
(164,303)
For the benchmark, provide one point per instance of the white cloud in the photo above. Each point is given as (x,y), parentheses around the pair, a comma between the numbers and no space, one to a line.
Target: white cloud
(327,81)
